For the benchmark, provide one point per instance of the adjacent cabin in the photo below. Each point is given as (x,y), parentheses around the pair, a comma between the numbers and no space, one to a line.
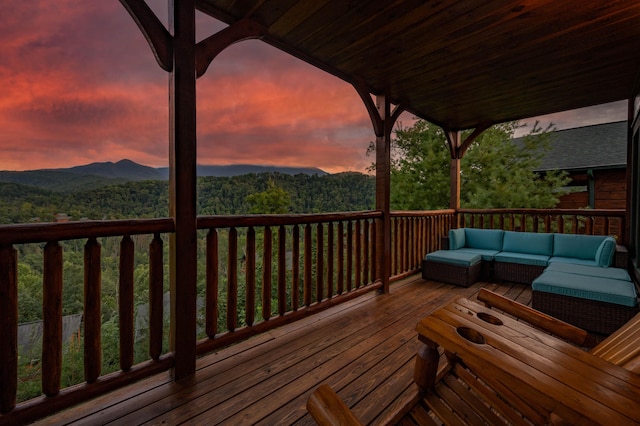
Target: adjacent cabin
(596,159)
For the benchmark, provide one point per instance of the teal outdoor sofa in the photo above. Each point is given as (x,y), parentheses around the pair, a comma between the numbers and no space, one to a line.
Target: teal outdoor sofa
(572,277)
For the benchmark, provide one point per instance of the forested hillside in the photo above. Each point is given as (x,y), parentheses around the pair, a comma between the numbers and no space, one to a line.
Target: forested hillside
(216,195)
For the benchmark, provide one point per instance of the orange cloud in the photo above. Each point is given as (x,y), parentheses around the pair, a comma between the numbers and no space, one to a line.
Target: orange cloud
(83,86)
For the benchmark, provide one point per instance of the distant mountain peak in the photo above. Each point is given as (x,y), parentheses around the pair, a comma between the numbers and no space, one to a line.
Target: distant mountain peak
(127,169)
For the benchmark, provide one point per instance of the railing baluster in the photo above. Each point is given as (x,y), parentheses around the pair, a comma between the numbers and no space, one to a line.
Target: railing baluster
(232,280)
(589,225)
(374,237)
(307,265)
(330,260)
(282,270)
(319,262)
(52,319)
(365,252)
(395,250)
(295,265)
(340,268)
(213,270)
(92,317)
(125,306)
(266,273)
(156,266)
(8,327)
(349,255)
(358,254)
(250,274)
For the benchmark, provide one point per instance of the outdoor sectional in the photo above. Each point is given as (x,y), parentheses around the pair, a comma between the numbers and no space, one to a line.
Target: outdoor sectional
(571,275)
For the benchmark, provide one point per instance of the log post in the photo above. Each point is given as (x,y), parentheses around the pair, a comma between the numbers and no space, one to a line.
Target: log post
(8,327)
(426,369)
(182,187)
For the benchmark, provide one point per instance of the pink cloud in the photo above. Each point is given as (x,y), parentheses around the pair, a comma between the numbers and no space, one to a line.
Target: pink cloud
(84,86)
(80,84)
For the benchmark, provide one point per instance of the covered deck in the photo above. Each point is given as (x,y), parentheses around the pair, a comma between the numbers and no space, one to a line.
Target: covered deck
(365,349)
(460,65)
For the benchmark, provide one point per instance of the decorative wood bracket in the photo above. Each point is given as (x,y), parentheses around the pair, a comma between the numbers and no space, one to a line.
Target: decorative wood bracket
(458,151)
(159,39)
(377,116)
(209,48)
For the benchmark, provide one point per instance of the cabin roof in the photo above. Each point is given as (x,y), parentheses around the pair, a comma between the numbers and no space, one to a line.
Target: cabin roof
(602,146)
(460,64)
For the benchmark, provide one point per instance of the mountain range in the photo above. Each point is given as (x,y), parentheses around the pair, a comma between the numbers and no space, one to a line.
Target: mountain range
(95,175)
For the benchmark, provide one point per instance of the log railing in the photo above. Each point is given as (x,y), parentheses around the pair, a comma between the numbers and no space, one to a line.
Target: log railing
(257,272)
(415,233)
(580,221)
(50,235)
(267,270)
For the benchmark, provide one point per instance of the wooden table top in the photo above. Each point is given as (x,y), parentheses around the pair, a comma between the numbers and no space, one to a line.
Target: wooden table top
(555,376)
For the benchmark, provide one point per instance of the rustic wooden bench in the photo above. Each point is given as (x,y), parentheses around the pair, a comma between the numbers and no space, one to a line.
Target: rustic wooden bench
(620,348)
(498,371)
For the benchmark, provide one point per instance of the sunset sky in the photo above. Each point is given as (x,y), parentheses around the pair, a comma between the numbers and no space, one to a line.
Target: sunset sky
(80,85)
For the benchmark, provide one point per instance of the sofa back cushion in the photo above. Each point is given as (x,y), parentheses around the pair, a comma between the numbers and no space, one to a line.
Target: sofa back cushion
(487,239)
(456,239)
(578,246)
(528,242)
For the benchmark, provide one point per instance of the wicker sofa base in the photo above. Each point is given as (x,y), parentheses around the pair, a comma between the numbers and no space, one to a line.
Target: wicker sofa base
(452,274)
(591,315)
(516,272)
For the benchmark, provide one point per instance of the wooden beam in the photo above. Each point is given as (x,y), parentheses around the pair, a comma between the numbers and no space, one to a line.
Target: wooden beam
(182,187)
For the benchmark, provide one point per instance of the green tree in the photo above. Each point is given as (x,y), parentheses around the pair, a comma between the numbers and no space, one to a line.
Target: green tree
(274,200)
(496,172)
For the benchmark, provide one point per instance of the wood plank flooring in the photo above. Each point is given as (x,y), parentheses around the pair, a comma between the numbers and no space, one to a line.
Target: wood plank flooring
(364,349)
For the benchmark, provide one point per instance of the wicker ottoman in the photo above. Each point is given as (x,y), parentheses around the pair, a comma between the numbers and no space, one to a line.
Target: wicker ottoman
(599,305)
(450,266)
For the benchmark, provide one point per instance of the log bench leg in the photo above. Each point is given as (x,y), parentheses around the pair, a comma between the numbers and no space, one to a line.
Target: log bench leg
(427,360)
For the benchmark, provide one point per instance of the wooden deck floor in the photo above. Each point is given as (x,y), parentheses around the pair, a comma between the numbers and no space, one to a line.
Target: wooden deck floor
(364,349)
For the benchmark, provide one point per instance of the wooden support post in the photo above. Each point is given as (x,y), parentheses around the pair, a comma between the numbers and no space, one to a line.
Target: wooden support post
(8,327)
(182,187)
(453,138)
(383,120)
(383,194)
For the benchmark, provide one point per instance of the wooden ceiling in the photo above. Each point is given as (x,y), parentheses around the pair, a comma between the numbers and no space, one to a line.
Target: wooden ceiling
(461,63)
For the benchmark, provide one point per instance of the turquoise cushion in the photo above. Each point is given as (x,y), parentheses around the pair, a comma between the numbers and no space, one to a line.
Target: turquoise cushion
(522,258)
(487,239)
(573,260)
(606,251)
(593,271)
(456,239)
(585,287)
(578,246)
(487,255)
(528,242)
(453,257)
